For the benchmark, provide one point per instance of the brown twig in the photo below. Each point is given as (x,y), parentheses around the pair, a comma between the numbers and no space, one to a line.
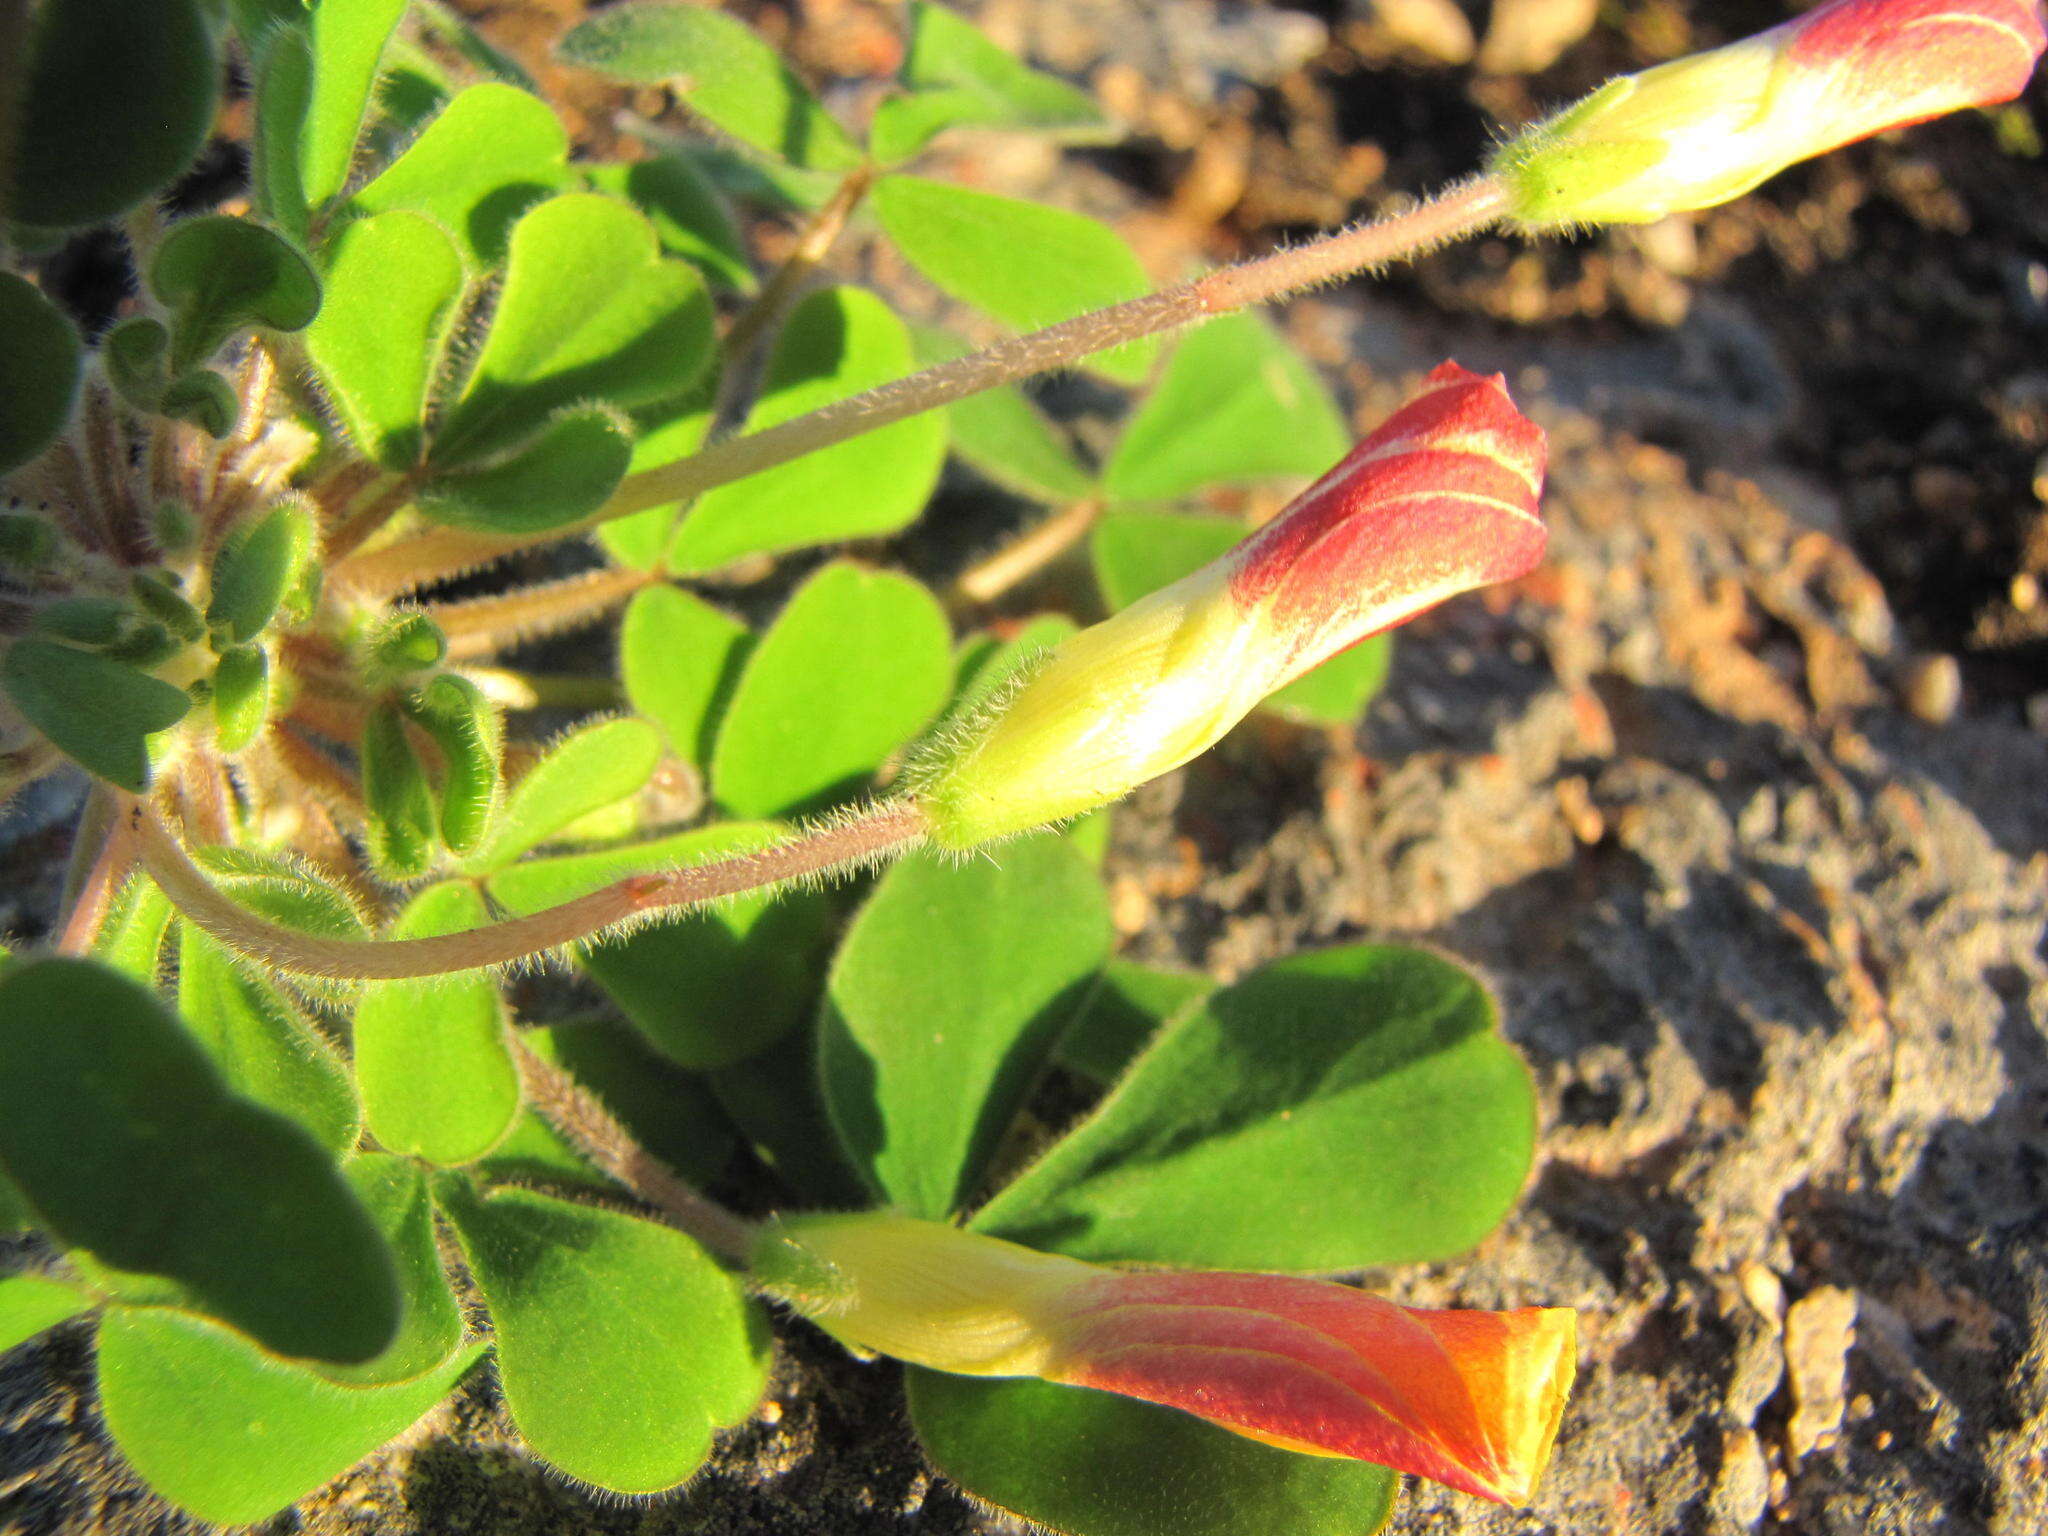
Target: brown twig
(880,832)
(591,1128)
(812,246)
(986,580)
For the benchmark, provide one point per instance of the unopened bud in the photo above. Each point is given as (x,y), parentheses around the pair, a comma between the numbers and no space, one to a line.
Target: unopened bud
(1441,499)
(1703,129)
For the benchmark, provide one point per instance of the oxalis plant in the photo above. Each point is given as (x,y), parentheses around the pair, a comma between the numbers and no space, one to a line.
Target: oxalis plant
(263,1093)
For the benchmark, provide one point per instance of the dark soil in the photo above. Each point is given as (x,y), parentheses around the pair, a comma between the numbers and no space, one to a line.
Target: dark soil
(1741,801)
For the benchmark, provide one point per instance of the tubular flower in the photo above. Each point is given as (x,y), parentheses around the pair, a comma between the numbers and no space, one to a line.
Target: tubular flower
(1441,499)
(1469,1399)
(1701,130)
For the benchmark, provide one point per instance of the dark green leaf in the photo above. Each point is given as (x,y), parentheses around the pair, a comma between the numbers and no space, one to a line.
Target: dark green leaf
(621,1345)
(43,363)
(838,342)
(1123,1014)
(348,37)
(392,284)
(1026,264)
(230,1434)
(562,474)
(433,1059)
(943,1006)
(135,354)
(589,310)
(491,153)
(125,1140)
(203,398)
(263,1045)
(29,1304)
(256,20)
(1236,403)
(688,213)
(117,97)
(680,660)
(715,63)
(856,664)
(708,989)
(217,275)
(592,767)
(394,1191)
(397,798)
(95,711)
(1139,552)
(256,567)
(776,1100)
(957,77)
(1330,1112)
(1095,1464)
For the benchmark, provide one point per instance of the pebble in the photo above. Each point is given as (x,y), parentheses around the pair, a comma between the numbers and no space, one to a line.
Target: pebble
(1436,29)
(1819,1328)
(1524,37)
(1933,688)
(1742,1491)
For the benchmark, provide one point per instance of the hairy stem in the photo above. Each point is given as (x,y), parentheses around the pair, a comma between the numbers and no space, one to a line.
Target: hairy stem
(591,1128)
(879,832)
(483,626)
(361,521)
(1460,211)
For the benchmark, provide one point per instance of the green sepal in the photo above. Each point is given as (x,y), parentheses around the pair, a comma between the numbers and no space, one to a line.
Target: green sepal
(397,797)
(470,734)
(241,696)
(258,564)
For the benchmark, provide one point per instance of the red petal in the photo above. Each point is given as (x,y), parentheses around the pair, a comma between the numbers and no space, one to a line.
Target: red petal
(1469,1399)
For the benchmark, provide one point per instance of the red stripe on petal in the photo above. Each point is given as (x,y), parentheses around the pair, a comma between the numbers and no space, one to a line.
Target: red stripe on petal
(1440,499)
(1899,62)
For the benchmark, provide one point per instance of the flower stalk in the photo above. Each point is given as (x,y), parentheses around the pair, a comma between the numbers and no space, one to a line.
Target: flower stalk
(881,832)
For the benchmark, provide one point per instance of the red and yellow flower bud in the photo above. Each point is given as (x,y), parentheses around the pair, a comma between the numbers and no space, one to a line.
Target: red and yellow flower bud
(1701,130)
(1468,1399)
(1441,499)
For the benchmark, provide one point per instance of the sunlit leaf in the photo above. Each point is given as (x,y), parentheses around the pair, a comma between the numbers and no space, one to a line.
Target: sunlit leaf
(944,1004)
(1026,264)
(805,727)
(726,74)
(621,1395)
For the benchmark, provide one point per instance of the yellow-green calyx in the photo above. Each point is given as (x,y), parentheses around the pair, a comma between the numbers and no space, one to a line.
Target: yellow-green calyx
(922,1291)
